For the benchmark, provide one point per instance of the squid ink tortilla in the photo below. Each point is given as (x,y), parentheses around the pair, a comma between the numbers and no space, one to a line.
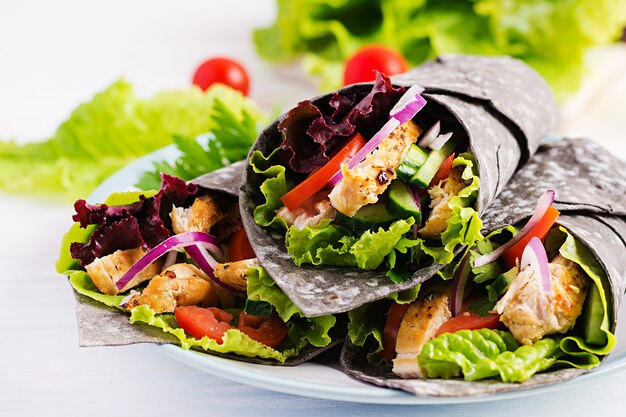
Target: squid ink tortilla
(590,188)
(497,110)
(101,322)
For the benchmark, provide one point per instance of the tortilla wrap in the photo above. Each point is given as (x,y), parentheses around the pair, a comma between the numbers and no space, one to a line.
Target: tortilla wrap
(100,325)
(500,107)
(590,187)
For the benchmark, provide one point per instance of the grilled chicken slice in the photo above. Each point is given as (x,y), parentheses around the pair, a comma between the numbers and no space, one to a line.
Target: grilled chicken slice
(234,273)
(419,325)
(530,313)
(310,213)
(363,184)
(200,217)
(180,285)
(106,271)
(440,195)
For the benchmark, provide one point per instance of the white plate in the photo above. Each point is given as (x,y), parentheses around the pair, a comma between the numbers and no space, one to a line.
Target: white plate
(320,380)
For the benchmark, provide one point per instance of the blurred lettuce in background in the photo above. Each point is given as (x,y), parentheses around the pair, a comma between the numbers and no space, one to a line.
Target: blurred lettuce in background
(550,35)
(116,127)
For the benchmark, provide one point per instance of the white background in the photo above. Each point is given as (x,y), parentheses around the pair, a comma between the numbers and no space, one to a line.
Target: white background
(54,55)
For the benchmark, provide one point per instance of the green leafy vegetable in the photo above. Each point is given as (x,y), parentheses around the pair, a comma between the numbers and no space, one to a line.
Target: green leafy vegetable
(366,325)
(552,36)
(485,353)
(107,133)
(233,133)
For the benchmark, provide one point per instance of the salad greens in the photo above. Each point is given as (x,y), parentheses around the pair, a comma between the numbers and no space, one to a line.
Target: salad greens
(485,353)
(551,36)
(116,127)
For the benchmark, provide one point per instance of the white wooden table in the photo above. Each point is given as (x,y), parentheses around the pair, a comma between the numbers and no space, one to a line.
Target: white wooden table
(54,55)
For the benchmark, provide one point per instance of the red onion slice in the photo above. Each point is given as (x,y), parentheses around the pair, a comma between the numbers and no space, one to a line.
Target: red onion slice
(176,242)
(440,141)
(405,109)
(459,284)
(430,135)
(544,202)
(535,257)
(409,104)
(207,264)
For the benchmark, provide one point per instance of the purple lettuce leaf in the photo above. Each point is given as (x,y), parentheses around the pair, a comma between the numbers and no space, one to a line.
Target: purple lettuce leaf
(313,132)
(145,223)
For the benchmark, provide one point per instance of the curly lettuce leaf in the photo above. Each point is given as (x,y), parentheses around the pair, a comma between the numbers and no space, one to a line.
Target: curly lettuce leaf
(273,187)
(302,330)
(113,129)
(485,353)
(552,36)
(328,244)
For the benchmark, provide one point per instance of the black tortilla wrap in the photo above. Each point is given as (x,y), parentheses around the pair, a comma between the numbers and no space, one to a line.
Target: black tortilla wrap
(100,325)
(576,170)
(495,130)
(512,88)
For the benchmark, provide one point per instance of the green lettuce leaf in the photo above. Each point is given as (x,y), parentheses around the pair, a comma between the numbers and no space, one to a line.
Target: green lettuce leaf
(114,128)
(485,353)
(273,187)
(302,329)
(328,244)
(365,328)
(582,351)
(552,36)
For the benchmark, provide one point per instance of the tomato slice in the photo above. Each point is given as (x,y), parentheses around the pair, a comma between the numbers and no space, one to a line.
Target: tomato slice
(318,179)
(239,247)
(268,330)
(469,321)
(540,230)
(443,171)
(199,322)
(360,67)
(390,331)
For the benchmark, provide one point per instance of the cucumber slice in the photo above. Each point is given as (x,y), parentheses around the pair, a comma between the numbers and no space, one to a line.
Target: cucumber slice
(413,160)
(370,217)
(427,171)
(400,203)
(593,314)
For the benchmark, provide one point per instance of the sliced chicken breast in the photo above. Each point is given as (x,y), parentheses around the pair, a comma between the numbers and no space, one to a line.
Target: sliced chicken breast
(363,184)
(530,313)
(440,196)
(419,325)
(234,273)
(106,271)
(180,285)
(310,213)
(200,217)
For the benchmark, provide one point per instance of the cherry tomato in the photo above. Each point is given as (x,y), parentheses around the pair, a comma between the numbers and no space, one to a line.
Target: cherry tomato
(361,66)
(223,71)
(318,179)
(239,247)
(199,322)
(469,321)
(540,230)
(390,331)
(443,171)
(268,330)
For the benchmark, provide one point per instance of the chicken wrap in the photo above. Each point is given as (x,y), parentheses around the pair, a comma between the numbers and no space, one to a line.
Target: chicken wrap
(178,262)
(365,192)
(532,303)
